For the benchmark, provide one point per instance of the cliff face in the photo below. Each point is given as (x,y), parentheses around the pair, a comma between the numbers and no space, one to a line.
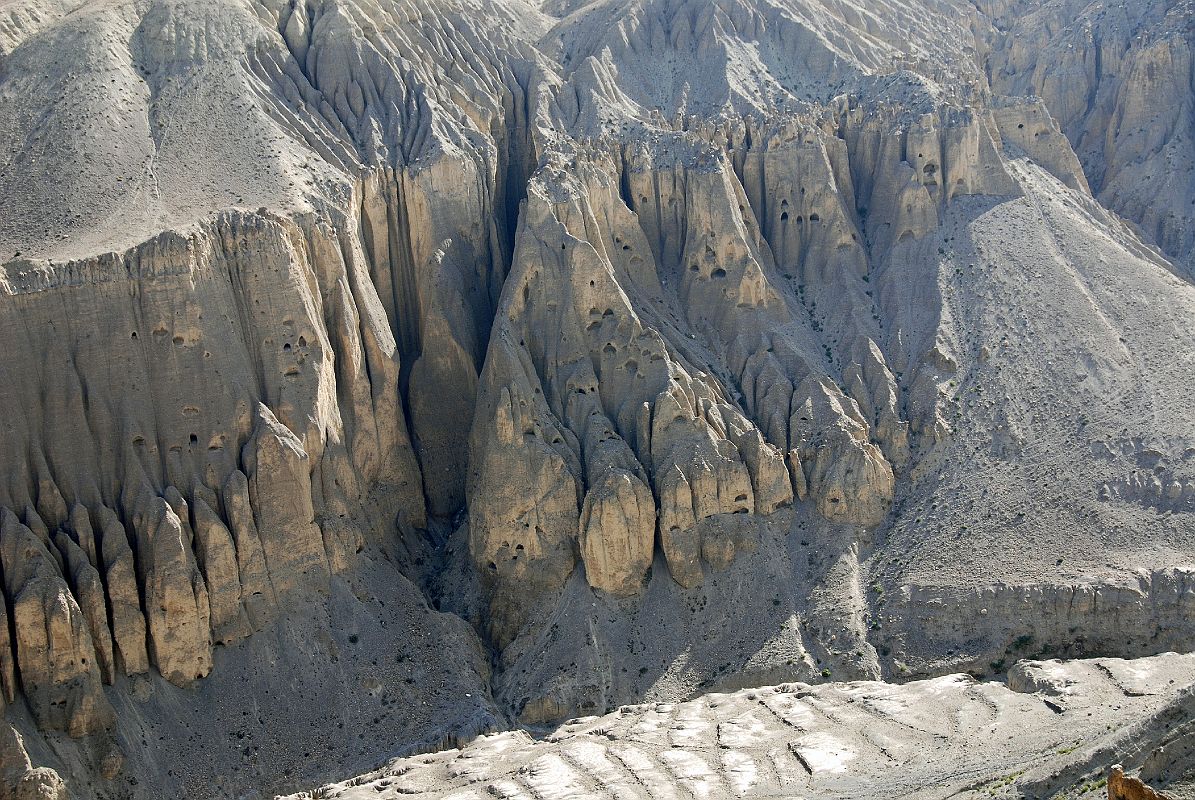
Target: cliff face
(1120,80)
(672,345)
(660,337)
(188,496)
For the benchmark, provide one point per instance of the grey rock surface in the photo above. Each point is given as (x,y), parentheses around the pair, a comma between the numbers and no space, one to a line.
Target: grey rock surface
(943,737)
(379,373)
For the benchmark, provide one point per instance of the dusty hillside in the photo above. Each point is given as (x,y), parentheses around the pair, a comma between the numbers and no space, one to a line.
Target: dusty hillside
(1120,80)
(385,373)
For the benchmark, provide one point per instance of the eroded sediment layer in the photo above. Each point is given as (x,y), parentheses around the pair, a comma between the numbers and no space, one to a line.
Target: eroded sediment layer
(577,316)
(988,628)
(858,740)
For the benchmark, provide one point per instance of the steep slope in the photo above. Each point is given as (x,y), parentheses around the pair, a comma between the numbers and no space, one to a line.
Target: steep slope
(216,421)
(671,345)
(1120,80)
(843,280)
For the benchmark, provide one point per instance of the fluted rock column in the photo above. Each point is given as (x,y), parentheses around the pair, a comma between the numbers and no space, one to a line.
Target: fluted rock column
(59,672)
(279,479)
(124,598)
(176,599)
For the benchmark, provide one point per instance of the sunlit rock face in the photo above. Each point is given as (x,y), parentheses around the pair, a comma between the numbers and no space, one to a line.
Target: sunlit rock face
(1119,78)
(476,362)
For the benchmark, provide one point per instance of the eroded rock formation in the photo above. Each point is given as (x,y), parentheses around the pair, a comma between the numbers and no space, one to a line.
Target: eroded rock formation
(1119,78)
(571,313)
(1128,787)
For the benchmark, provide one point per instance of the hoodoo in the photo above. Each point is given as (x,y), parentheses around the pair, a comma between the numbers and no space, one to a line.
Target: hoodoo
(596,397)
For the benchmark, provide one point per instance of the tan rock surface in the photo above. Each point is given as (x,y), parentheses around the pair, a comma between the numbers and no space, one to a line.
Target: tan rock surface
(1128,787)
(88,590)
(124,599)
(278,470)
(459,362)
(59,672)
(176,599)
(217,559)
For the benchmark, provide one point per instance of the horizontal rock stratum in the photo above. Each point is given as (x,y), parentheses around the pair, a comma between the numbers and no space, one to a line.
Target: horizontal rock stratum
(383,373)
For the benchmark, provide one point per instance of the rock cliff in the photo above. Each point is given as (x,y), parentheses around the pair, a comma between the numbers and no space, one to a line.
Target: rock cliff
(1119,78)
(461,364)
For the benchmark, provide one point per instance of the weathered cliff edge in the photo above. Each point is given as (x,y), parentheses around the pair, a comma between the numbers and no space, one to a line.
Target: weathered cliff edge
(521,326)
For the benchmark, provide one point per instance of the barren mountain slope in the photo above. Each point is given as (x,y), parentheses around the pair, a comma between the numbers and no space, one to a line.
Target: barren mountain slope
(1120,80)
(383,373)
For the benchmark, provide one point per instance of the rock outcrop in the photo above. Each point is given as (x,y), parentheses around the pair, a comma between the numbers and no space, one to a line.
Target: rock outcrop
(684,281)
(60,674)
(217,559)
(176,600)
(573,316)
(124,595)
(1129,787)
(1119,78)
(85,582)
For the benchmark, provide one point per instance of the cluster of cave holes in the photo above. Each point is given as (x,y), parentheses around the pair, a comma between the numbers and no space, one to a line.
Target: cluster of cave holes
(784,213)
(518,548)
(192,439)
(815,217)
(709,255)
(159,333)
(631,365)
(596,317)
(288,349)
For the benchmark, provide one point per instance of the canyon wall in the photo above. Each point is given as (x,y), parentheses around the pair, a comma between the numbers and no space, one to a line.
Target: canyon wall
(568,322)
(1120,80)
